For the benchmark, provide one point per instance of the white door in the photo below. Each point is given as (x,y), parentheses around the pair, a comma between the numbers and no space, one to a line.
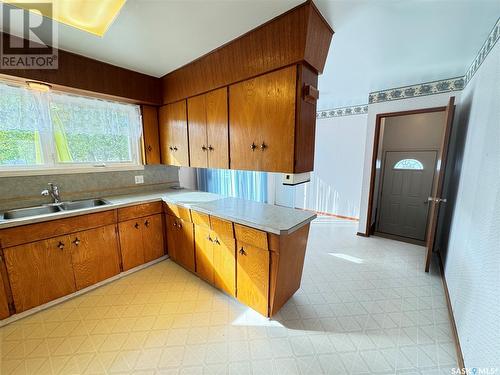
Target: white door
(406,186)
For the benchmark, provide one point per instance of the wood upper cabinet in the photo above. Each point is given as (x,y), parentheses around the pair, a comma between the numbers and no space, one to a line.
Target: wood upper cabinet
(95,255)
(208,130)
(262,122)
(141,240)
(174,134)
(180,237)
(253,277)
(150,134)
(40,271)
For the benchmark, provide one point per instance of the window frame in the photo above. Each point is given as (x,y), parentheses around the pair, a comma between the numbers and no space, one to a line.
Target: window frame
(51,164)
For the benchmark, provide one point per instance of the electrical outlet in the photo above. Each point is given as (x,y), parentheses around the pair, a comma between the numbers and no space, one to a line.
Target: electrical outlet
(139,179)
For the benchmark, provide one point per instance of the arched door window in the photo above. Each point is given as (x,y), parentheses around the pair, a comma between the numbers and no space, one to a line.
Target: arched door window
(409,164)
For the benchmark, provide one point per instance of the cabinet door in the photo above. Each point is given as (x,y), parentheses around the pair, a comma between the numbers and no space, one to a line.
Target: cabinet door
(94,255)
(185,244)
(151,135)
(174,134)
(217,128)
(40,272)
(172,235)
(197,123)
(4,301)
(252,274)
(131,243)
(262,122)
(152,236)
(204,253)
(225,264)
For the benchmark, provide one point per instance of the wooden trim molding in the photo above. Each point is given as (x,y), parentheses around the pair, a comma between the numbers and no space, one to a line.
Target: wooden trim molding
(376,139)
(458,348)
(82,75)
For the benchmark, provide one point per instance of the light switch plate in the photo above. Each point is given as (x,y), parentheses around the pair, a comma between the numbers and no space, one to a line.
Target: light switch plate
(139,179)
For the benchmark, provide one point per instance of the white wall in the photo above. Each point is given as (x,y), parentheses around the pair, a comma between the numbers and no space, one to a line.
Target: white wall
(472,265)
(429,101)
(335,185)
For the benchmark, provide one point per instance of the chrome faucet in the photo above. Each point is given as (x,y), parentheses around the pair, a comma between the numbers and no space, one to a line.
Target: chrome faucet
(53,191)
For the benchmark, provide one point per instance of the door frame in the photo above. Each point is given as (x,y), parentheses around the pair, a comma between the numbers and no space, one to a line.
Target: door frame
(373,170)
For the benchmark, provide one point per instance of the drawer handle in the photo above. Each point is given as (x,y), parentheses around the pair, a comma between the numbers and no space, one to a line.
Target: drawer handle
(243,252)
(253,146)
(263,146)
(76,241)
(60,245)
(136,225)
(146,223)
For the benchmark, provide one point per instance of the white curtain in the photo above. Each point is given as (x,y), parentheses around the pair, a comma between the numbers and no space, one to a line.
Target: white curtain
(240,184)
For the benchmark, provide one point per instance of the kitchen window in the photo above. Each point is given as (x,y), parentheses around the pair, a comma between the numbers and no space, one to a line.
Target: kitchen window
(66,133)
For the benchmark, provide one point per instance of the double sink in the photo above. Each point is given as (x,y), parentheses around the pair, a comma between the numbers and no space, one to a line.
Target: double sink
(52,208)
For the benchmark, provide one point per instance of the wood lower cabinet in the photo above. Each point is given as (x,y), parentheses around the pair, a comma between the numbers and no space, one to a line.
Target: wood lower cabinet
(141,240)
(94,255)
(40,272)
(208,130)
(173,129)
(4,299)
(224,250)
(180,237)
(252,273)
(204,252)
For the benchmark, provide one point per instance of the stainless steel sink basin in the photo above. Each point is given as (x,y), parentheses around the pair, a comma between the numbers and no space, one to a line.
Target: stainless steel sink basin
(30,211)
(87,203)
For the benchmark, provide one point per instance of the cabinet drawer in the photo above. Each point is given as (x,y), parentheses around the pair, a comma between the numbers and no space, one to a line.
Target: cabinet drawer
(178,211)
(251,236)
(40,231)
(223,228)
(200,218)
(139,210)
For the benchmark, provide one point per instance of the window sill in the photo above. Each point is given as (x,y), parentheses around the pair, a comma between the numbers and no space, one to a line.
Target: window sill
(68,170)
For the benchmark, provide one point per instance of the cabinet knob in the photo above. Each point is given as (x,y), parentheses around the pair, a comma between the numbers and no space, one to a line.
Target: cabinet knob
(175,224)
(60,245)
(150,148)
(76,241)
(243,252)
(146,223)
(175,148)
(263,146)
(136,225)
(179,225)
(210,148)
(171,148)
(204,148)
(210,239)
(253,146)
(217,241)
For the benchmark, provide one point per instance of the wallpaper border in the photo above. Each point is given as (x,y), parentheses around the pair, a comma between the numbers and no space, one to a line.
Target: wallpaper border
(360,109)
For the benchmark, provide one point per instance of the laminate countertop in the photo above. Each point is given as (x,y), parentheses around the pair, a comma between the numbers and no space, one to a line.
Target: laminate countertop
(267,217)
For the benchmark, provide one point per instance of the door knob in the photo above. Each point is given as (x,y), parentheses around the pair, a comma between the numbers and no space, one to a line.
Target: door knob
(76,241)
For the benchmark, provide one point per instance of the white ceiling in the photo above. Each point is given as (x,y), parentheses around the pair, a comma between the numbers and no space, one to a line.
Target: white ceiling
(377,44)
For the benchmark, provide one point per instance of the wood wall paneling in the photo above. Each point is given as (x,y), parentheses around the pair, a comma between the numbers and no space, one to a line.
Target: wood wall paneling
(299,35)
(86,76)
(151,135)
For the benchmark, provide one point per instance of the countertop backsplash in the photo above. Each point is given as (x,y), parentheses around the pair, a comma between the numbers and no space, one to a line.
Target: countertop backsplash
(24,191)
